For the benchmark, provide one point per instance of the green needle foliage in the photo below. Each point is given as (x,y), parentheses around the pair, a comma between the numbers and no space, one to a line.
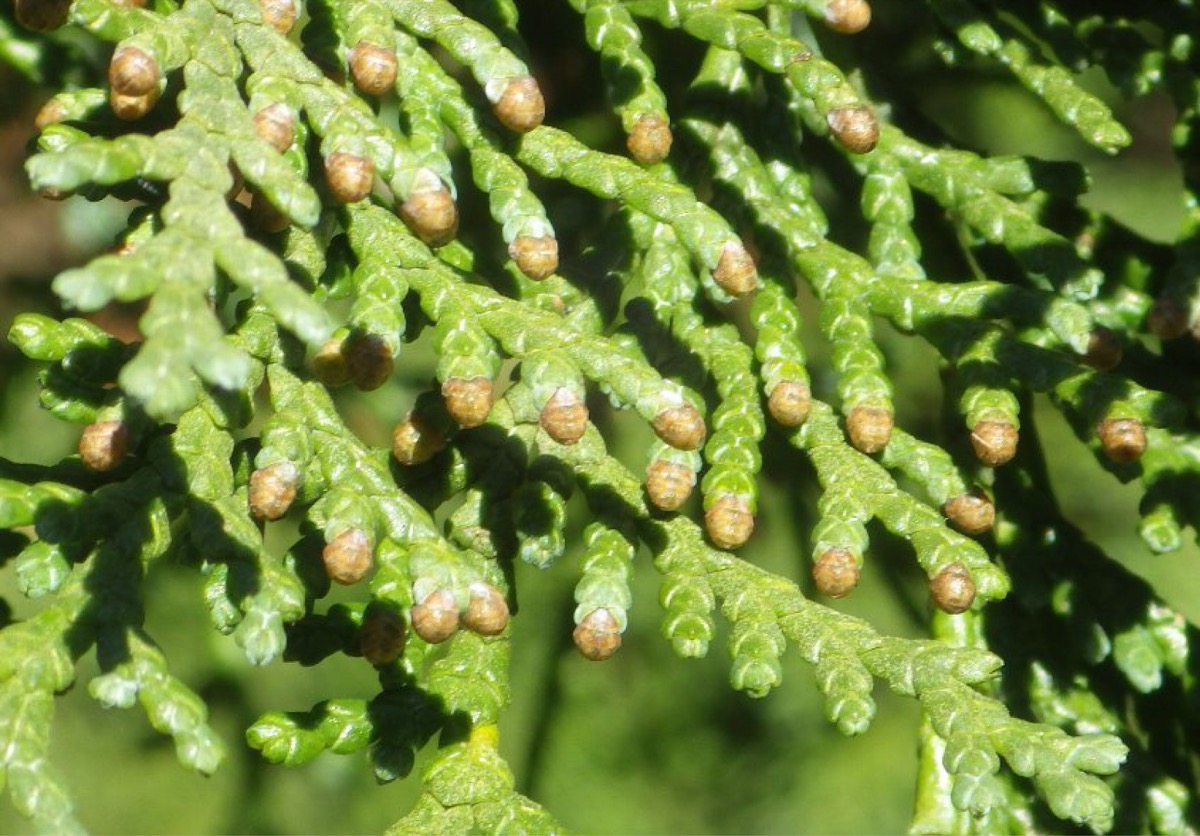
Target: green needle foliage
(295,174)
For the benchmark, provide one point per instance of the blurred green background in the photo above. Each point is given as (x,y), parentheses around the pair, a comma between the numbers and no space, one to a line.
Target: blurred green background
(644,743)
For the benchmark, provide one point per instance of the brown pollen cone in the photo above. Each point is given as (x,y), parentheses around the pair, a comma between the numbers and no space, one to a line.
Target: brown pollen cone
(953,589)
(348,557)
(432,215)
(276,125)
(280,15)
(104,445)
(382,636)
(536,257)
(436,618)
(521,107)
(373,68)
(1123,439)
(133,72)
(669,484)
(564,417)
(415,442)
(42,15)
(273,490)
(487,614)
(854,127)
(735,272)
(836,572)
(468,400)
(790,402)
(729,522)
(847,16)
(369,360)
(994,442)
(869,428)
(598,636)
(681,426)
(349,176)
(1104,351)
(650,140)
(971,513)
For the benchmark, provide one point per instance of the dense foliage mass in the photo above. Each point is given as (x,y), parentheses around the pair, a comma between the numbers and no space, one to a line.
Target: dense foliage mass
(296,175)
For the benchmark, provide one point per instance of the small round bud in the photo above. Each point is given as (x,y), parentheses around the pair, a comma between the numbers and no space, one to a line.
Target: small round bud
(415,442)
(273,490)
(370,361)
(280,15)
(348,557)
(855,128)
(330,365)
(952,589)
(729,522)
(735,272)
(971,513)
(790,402)
(382,635)
(276,125)
(836,572)
(680,426)
(131,108)
(650,140)
(265,217)
(564,417)
(487,614)
(669,484)
(104,445)
(1167,318)
(537,258)
(847,16)
(995,442)
(431,214)
(133,72)
(869,428)
(42,15)
(598,635)
(520,107)
(1123,439)
(436,618)
(51,113)
(349,176)
(1104,350)
(373,68)
(468,400)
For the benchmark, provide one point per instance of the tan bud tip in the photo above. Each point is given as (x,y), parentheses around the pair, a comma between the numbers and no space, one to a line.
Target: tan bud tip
(436,618)
(855,128)
(564,417)
(104,445)
(273,490)
(650,140)
(521,107)
(869,428)
(276,125)
(1104,351)
(836,572)
(369,360)
(468,400)
(994,442)
(432,215)
(133,72)
(373,68)
(952,589)
(382,636)
(265,217)
(487,614)
(51,113)
(847,16)
(329,363)
(348,557)
(971,513)
(349,176)
(790,402)
(669,484)
(681,426)
(537,257)
(280,15)
(729,522)
(598,635)
(1123,439)
(415,442)
(1167,318)
(735,272)
(131,108)
(42,15)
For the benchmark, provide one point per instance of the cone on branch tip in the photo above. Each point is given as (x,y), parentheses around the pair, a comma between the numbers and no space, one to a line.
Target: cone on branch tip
(350,177)
(735,272)
(104,445)
(275,125)
(650,140)
(729,522)
(994,442)
(348,556)
(971,513)
(836,572)
(373,68)
(431,214)
(280,15)
(382,637)
(536,257)
(790,402)
(669,484)
(369,361)
(1122,439)
(487,613)
(847,16)
(436,618)
(681,426)
(468,400)
(273,490)
(869,428)
(953,589)
(520,106)
(598,635)
(564,417)
(854,127)
(415,441)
